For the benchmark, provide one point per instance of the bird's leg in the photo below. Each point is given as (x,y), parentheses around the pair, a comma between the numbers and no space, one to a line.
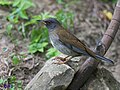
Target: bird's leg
(62,60)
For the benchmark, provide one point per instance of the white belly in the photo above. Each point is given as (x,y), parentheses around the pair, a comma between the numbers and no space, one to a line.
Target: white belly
(62,48)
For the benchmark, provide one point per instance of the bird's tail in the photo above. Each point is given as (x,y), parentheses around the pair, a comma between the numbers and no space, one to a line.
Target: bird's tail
(104,59)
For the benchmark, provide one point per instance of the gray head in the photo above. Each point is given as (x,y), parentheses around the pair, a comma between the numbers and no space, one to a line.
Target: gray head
(51,23)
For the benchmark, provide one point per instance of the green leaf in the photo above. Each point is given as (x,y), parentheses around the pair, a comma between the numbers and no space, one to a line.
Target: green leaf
(27,4)
(13,88)
(16,3)
(60,1)
(41,46)
(33,48)
(46,15)
(35,36)
(19,88)
(13,19)
(113,1)
(66,18)
(5,2)
(16,11)
(23,14)
(19,84)
(38,38)
(41,50)
(1,81)
(12,79)
(52,52)
(34,20)
(15,60)
(9,28)
(44,44)
(37,17)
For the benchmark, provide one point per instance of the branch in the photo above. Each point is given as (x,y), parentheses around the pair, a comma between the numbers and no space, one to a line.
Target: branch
(90,64)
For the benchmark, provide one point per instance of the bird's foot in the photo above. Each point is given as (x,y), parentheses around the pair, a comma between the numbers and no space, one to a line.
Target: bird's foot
(61,60)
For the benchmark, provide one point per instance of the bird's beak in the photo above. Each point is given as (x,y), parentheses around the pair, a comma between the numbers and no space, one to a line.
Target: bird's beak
(42,22)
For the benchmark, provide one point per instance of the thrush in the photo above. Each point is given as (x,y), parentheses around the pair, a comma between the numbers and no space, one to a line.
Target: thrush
(67,43)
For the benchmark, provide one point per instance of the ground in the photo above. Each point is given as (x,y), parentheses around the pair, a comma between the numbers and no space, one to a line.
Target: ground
(89,25)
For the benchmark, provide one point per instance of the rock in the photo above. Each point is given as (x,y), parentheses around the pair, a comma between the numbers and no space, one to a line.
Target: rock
(52,77)
(58,77)
(102,80)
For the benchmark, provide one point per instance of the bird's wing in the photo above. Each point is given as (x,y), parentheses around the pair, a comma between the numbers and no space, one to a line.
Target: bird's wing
(74,43)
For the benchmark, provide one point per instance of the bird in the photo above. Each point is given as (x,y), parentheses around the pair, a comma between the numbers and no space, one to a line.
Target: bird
(67,43)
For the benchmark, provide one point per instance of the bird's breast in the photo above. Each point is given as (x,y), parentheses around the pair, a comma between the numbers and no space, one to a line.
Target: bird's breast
(60,46)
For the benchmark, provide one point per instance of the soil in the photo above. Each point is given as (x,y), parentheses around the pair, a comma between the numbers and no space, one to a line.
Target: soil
(89,25)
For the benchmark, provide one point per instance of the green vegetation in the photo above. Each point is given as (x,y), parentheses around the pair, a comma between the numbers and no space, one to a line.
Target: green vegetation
(11,83)
(52,52)
(5,2)
(24,22)
(39,37)
(113,1)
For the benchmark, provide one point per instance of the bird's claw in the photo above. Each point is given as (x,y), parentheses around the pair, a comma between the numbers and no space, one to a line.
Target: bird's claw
(60,60)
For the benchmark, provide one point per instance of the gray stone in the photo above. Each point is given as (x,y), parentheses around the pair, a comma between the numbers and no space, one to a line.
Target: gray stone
(58,77)
(102,80)
(52,77)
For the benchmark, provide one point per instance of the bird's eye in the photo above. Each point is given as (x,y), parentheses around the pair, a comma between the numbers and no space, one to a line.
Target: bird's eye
(47,22)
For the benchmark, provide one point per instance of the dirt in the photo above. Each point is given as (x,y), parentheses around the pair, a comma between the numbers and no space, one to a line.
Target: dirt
(89,26)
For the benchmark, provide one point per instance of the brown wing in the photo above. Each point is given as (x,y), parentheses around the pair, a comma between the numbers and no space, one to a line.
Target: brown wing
(66,37)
